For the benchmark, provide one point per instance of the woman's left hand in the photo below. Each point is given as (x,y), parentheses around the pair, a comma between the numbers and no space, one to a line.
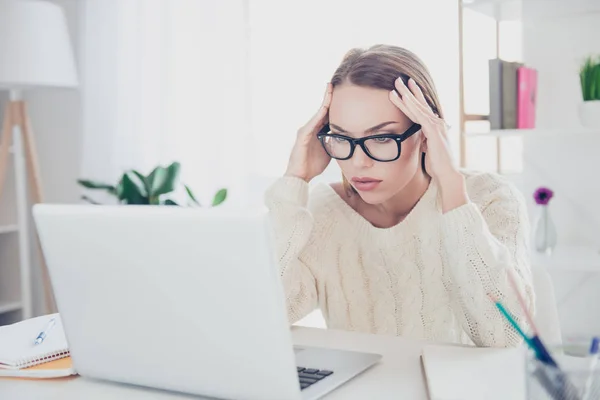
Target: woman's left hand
(412,103)
(438,159)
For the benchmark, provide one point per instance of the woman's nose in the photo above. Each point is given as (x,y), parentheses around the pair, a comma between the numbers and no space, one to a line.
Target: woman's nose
(360,159)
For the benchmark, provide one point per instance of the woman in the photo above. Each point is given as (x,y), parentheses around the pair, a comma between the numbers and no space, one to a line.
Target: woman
(407,244)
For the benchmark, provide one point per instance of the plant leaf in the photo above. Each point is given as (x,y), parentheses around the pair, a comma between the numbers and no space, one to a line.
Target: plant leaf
(170,202)
(143,179)
(130,191)
(139,180)
(592,84)
(91,201)
(192,197)
(163,180)
(596,78)
(589,75)
(220,197)
(583,78)
(89,184)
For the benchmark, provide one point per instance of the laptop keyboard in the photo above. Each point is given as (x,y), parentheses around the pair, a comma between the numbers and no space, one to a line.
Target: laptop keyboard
(310,376)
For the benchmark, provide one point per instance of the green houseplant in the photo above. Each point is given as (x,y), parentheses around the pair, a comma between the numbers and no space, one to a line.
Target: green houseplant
(589,76)
(152,189)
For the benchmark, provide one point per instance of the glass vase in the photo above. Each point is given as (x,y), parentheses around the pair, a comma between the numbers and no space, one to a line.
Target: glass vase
(545,231)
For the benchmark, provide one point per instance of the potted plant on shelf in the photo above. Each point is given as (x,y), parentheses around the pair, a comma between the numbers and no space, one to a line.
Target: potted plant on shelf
(154,189)
(589,109)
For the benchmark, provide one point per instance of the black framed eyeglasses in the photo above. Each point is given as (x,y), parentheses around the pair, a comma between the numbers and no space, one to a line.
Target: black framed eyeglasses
(383,148)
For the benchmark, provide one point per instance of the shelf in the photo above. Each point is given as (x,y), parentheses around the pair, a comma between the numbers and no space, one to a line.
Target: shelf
(500,133)
(8,229)
(569,258)
(515,10)
(6,306)
(501,10)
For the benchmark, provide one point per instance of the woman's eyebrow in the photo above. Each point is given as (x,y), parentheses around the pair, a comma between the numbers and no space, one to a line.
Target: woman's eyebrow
(376,127)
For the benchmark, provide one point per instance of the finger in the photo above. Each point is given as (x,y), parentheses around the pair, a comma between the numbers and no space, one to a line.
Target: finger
(409,98)
(319,118)
(413,110)
(415,113)
(324,109)
(407,94)
(418,93)
(397,101)
(427,114)
(424,115)
(327,96)
(402,88)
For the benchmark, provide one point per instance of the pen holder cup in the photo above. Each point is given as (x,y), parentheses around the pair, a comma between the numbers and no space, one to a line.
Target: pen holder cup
(576,378)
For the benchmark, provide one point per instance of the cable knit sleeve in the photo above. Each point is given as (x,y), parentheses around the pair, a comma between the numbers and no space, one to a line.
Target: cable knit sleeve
(287,201)
(481,241)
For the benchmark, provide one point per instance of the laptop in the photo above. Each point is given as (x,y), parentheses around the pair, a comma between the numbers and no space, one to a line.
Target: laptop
(181,299)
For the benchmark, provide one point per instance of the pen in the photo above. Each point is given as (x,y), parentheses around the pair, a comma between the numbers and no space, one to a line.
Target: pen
(535,340)
(593,363)
(514,324)
(42,335)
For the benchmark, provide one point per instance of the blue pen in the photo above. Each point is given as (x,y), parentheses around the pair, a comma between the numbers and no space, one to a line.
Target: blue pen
(42,335)
(594,346)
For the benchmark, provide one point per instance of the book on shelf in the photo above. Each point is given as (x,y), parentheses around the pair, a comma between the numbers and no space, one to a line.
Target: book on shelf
(509,94)
(513,95)
(495,83)
(527,96)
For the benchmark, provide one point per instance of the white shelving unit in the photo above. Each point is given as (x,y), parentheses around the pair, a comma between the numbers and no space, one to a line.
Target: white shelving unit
(554,36)
(500,133)
(512,10)
(15,267)
(520,10)
(500,10)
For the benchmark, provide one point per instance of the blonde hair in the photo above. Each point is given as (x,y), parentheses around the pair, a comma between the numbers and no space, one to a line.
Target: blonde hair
(378,67)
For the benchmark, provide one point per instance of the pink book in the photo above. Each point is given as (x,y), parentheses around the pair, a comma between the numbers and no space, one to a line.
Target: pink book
(526,97)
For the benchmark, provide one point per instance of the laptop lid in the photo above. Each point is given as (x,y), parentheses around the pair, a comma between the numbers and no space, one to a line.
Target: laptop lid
(176,298)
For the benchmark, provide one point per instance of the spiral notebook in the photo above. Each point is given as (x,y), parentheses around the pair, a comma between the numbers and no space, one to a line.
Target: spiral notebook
(17,348)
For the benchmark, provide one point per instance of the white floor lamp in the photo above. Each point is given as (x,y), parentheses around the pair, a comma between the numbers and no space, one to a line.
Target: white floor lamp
(35,54)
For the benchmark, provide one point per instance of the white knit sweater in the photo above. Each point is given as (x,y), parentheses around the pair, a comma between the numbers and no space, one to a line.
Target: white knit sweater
(427,277)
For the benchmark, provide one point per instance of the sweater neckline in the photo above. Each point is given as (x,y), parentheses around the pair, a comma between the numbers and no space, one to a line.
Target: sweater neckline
(427,204)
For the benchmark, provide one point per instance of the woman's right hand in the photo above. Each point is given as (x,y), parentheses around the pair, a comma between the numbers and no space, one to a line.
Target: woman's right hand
(308,158)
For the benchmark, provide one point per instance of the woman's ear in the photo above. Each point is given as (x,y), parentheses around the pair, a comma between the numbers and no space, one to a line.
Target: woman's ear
(423,144)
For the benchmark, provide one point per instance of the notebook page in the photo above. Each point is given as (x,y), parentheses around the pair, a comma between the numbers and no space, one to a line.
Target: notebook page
(456,372)
(17,348)
(60,368)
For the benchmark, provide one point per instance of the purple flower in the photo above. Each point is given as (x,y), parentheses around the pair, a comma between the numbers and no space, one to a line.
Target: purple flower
(543,195)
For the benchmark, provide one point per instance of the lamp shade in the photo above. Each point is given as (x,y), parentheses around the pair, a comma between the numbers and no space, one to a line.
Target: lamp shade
(35,50)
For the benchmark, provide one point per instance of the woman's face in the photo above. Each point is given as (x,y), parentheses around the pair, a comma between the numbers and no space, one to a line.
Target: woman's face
(361,111)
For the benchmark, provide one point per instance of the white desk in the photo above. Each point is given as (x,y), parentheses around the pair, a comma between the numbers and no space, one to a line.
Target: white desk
(398,375)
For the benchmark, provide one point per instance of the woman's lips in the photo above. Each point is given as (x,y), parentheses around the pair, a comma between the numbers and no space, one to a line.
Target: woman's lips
(365,184)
